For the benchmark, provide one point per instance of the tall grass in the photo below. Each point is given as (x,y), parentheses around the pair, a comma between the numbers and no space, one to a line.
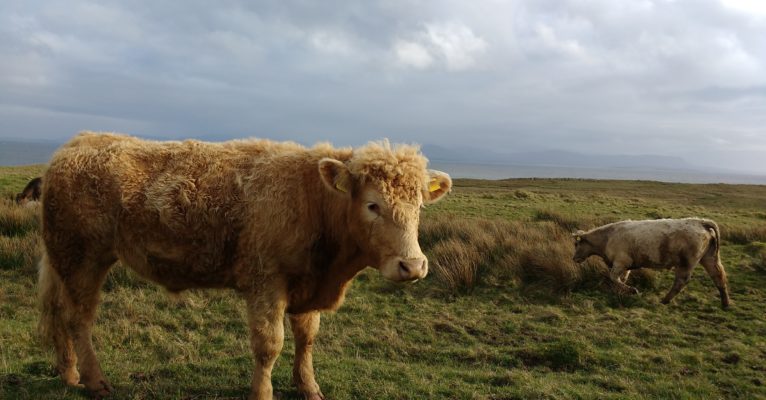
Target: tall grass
(19,238)
(18,220)
(743,234)
(465,253)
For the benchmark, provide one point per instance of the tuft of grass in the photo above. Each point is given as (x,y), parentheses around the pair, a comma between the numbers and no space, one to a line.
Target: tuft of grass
(744,234)
(465,253)
(569,224)
(757,253)
(560,355)
(18,220)
(19,252)
(456,264)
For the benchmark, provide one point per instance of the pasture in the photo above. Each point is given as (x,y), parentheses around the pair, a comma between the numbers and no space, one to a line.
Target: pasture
(503,314)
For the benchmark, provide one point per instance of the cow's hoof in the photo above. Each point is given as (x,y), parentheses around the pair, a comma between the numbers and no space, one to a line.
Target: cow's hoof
(100,390)
(633,291)
(314,396)
(72,378)
(666,302)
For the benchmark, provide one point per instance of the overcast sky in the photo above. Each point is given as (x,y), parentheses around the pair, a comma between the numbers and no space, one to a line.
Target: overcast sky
(683,78)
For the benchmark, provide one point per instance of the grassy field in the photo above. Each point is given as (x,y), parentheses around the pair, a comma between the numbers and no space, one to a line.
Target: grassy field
(505,314)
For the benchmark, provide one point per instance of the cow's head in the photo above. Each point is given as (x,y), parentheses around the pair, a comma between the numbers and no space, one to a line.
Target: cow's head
(583,248)
(384,189)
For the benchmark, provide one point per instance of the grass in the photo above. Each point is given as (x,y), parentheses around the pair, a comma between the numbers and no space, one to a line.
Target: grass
(504,314)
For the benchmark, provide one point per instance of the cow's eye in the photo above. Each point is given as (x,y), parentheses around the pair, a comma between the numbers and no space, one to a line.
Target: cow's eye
(374,208)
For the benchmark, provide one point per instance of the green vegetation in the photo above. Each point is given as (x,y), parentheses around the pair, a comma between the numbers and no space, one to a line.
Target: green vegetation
(505,314)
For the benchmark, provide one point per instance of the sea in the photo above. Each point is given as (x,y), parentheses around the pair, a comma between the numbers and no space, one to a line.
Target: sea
(479,171)
(16,153)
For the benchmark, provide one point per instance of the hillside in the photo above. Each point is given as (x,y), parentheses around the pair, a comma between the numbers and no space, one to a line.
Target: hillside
(504,314)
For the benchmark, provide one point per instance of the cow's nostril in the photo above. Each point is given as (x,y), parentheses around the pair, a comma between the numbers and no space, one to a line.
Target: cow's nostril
(403,267)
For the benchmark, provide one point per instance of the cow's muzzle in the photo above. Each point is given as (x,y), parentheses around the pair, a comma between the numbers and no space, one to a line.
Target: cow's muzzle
(413,269)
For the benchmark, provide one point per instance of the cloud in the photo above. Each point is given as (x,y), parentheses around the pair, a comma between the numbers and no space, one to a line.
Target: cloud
(412,54)
(755,8)
(453,44)
(680,78)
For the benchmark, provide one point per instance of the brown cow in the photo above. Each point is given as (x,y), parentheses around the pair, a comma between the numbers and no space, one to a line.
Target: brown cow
(31,192)
(657,244)
(287,227)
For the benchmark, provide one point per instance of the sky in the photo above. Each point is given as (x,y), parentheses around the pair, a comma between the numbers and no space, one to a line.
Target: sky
(683,78)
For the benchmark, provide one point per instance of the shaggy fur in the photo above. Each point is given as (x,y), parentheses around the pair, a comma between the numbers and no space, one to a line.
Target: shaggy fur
(286,226)
(657,244)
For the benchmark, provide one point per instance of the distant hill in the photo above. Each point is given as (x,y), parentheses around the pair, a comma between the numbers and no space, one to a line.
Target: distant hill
(23,153)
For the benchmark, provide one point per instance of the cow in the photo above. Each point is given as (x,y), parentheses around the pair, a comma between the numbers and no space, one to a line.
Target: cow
(285,226)
(656,244)
(31,192)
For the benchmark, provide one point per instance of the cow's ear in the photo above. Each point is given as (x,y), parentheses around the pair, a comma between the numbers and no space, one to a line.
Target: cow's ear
(335,175)
(439,184)
(578,235)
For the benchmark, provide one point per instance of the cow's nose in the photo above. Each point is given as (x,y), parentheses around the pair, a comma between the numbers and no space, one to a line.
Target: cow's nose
(414,268)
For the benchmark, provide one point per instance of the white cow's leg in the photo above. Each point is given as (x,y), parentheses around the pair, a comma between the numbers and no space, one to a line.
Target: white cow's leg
(624,277)
(715,269)
(618,271)
(305,327)
(266,313)
(683,276)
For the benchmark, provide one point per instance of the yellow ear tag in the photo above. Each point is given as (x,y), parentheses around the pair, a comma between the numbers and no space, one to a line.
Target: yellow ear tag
(340,184)
(434,185)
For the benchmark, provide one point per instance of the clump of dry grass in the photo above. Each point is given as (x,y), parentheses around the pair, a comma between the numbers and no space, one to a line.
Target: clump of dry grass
(450,253)
(743,234)
(18,220)
(569,224)
(19,251)
(757,253)
(468,252)
(19,238)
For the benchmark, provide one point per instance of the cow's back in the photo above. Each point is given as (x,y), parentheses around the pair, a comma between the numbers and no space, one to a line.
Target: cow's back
(659,243)
(171,210)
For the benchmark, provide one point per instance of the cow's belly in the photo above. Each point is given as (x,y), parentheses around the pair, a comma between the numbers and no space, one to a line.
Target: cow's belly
(178,264)
(652,260)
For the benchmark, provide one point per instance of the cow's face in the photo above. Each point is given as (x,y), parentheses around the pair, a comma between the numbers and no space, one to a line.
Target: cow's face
(583,248)
(386,231)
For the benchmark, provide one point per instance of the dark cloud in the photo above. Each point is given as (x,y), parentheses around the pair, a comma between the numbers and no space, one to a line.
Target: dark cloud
(680,78)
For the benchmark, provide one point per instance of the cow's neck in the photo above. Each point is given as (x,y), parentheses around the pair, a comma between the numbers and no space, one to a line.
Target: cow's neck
(599,239)
(336,259)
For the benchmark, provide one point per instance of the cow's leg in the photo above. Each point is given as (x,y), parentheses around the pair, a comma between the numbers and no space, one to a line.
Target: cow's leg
(52,327)
(618,271)
(81,287)
(305,327)
(266,313)
(683,276)
(715,269)
(624,277)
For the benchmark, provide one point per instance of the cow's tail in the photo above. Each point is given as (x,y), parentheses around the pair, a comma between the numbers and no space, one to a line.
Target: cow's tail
(712,262)
(715,245)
